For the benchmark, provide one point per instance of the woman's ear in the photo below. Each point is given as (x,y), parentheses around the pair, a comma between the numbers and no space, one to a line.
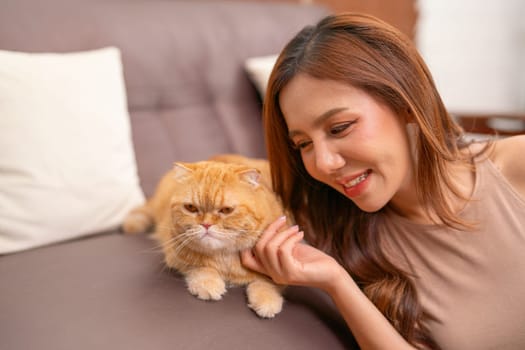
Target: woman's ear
(409,116)
(412,134)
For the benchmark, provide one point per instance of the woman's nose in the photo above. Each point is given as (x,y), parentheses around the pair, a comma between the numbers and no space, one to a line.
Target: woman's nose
(327,159)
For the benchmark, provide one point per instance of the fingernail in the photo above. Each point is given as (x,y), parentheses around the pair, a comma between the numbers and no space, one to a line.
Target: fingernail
(282,218)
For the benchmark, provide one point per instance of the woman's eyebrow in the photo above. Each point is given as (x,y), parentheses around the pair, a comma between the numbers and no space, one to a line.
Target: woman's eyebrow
(319,120)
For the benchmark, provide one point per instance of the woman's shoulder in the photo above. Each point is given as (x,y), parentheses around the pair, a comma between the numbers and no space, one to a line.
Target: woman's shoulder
(508,155)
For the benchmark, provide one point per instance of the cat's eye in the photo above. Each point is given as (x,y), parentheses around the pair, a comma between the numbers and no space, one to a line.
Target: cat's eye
(226,210)
(191,208)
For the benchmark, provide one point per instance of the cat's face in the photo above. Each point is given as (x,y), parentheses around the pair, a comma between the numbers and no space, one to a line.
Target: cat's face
(218,206)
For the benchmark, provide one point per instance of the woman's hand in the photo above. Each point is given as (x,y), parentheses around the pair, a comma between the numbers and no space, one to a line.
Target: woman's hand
(282,256)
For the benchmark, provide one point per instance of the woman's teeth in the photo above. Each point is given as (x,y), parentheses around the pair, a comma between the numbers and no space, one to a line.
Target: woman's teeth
(357,180)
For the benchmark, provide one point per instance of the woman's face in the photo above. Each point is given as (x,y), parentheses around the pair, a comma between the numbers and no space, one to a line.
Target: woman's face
(348,140)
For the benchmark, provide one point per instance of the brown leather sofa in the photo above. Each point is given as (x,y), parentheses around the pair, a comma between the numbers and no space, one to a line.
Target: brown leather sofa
(188,98)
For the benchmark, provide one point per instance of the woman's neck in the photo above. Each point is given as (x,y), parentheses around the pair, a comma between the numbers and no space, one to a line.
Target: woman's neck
(408,204)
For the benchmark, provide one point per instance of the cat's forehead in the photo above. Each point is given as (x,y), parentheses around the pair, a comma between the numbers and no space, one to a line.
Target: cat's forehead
(212,177)
(210,188)
(215,181)
(211,172)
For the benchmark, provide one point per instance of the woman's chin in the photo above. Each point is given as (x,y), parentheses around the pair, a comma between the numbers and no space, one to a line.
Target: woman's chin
(369,207)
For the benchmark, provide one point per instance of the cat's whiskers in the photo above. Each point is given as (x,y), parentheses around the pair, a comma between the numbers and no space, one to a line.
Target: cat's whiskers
(179,242)
(181,237)
(161,243)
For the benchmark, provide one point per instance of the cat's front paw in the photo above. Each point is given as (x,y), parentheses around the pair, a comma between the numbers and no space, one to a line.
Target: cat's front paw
(264,298)
(206,285)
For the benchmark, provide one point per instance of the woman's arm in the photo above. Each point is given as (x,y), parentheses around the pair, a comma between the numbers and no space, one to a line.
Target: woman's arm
(368,325)
(282,256)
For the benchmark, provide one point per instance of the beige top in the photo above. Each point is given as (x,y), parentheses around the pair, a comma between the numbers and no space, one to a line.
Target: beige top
(472,283)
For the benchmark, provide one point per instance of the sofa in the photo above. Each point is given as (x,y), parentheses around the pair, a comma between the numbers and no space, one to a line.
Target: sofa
(188,97)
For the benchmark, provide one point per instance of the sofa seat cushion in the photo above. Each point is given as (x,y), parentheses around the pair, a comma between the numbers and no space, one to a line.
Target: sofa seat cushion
(111,291)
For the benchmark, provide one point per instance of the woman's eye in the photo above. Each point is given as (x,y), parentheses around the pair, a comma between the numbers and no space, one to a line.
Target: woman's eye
(301,144)
(191,208)
(226,210)
(339,128)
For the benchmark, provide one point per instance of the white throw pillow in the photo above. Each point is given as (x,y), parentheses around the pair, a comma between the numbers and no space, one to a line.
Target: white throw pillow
(67,165)
(259,70)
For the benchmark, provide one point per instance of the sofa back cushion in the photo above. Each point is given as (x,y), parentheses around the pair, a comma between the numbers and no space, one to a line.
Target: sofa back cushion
(188,94)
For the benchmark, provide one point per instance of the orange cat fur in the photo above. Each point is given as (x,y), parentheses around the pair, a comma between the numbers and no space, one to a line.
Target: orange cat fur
(204,214)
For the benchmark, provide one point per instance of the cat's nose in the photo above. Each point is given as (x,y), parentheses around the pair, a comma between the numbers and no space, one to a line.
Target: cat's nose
(206,226)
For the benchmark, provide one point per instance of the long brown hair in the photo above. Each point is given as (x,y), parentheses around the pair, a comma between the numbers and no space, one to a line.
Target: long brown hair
(369,54)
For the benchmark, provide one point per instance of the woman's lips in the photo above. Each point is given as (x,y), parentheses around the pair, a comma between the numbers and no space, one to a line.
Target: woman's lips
(357,180)
(357,185)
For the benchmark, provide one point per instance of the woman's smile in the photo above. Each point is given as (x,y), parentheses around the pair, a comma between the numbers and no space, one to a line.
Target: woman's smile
(357,180)
(358,185)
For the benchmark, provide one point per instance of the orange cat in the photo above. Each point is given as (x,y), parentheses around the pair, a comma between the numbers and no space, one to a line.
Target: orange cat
(204,214)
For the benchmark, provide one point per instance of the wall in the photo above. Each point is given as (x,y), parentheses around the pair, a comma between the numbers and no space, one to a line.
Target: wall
(476,53)
(400,13)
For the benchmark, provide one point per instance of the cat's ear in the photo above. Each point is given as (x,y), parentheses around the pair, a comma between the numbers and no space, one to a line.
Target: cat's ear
(181,169)
(251,176)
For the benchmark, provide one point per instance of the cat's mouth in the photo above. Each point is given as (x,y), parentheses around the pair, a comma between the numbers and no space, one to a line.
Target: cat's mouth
(211,239)
(210,234)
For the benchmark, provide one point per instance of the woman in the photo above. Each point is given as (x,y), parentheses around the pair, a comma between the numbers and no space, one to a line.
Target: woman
(416,234)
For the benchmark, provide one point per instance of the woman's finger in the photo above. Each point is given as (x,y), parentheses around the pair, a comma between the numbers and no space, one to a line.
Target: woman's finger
(275,242)
(285,252)
(271,230)
(249,260)
(268,254)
